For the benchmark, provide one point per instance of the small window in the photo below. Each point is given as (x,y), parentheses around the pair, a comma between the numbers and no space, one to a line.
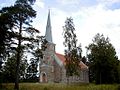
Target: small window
(52,68)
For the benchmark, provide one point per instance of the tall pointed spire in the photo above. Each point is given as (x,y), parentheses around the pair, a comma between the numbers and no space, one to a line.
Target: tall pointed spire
(48,34)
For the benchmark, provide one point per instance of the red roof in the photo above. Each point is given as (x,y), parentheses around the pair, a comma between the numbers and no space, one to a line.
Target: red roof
(62,58)
(83,66)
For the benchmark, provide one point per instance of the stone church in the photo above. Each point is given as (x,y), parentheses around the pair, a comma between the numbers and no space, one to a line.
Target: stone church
(52,66)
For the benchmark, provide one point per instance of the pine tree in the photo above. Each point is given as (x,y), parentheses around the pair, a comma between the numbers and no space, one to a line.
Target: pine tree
(21,14)
(102,60)
(39,46)
(8,70)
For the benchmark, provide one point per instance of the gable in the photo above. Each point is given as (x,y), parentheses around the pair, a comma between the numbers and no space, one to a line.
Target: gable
(58,60)
(62,60)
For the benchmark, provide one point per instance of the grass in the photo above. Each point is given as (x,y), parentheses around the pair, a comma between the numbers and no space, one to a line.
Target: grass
(38,86)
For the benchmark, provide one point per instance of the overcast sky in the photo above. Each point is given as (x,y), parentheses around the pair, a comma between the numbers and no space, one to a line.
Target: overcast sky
(89,16)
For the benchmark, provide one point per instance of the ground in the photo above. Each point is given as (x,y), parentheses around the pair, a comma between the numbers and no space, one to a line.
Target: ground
(38,86)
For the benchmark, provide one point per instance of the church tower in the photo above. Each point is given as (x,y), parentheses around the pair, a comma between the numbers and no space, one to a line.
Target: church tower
(47,63)
(48,34)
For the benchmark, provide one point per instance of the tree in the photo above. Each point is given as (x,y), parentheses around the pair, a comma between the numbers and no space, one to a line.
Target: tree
(118,71)
(6,23)
(102,60)
(9,71)
(71,51)
(84,60)
(21,14)
(1,64)
(39,46)
(32,70)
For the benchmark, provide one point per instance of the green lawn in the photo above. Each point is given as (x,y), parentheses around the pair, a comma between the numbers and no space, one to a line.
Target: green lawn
(38,86)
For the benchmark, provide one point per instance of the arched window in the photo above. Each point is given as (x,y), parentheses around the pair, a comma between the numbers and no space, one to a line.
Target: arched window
(43,77)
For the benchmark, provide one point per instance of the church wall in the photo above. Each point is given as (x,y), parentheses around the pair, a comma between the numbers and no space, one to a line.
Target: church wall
(47,63)
(57,73)
(48,71)
(82,78)
(64,79)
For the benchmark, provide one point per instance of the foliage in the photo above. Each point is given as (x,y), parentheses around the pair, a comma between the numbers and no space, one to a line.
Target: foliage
(20,15)
(32,70)
(9,69)
(71,51)
(6,23)
(1,64)
(84,59)
(118,72)
(37,52)
(102,60)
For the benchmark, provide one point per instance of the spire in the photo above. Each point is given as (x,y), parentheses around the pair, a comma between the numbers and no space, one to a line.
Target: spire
(48,34)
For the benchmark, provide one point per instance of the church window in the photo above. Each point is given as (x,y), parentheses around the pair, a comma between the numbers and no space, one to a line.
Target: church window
(43,59)
(52,68)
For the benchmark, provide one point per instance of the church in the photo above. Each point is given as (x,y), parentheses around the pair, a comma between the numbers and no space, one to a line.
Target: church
(52,66)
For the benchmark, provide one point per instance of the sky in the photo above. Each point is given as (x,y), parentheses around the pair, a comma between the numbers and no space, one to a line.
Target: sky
(89,16)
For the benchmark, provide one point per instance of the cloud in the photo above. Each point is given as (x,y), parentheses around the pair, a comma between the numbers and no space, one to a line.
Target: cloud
(109,1)
(5,3)
(97,19)
(65,2)
(58,18)
(39,3)
(2,5)
(110,4)
(88,22)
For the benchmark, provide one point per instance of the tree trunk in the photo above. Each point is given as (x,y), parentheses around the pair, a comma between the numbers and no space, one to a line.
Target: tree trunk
(100,78)
(17,72)
(16,87)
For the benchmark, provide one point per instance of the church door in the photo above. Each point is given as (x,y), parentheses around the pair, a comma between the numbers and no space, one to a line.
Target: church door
(44,78)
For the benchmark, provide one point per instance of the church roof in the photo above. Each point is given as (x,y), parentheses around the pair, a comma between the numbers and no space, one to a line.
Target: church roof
(83,66)
(62,58)
(48,34)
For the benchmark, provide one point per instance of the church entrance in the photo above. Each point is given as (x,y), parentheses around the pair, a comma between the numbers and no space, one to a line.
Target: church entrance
(44,78)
